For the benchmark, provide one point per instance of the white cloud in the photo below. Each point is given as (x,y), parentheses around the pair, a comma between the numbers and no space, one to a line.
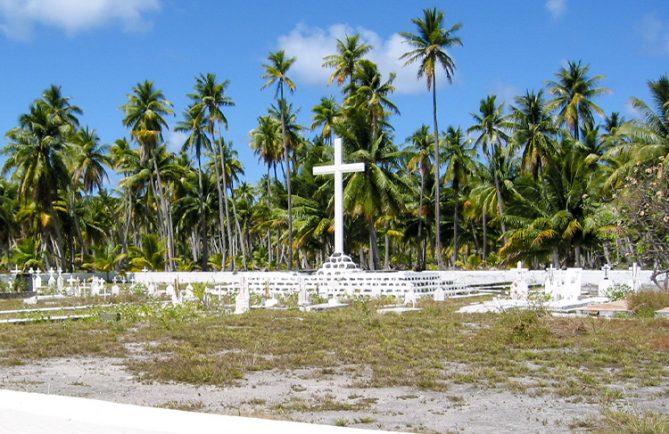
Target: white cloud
(505,92)
(18,17)
(175,140)
(310,44)
(557,8)
(632,111)
(655,35)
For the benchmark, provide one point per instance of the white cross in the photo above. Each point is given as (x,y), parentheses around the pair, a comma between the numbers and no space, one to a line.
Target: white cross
(338,169)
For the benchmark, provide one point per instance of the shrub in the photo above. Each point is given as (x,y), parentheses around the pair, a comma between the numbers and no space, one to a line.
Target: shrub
(525,326)
(645,303)
(619,291)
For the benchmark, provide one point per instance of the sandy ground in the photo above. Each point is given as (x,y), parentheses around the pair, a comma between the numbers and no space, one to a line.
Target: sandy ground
(462,408)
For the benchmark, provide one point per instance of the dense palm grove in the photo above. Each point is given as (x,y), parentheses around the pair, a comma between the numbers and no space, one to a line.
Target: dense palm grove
(550,178)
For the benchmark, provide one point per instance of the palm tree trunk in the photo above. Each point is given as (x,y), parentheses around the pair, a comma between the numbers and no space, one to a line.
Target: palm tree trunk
(421,260)
(386,254)
(485,235)
(269,231)
(373,247)
(500,204)
(238,228)
(59,234)
(225,203)
(204,264)
(437,205)
(167,218)
(455,227)
(221,216)
(288,185)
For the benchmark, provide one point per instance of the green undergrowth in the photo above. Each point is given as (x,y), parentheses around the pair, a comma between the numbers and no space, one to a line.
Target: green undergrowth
(526,352)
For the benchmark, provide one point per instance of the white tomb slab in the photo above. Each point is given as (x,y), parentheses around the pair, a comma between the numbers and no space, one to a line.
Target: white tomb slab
(51,283)
(519,288)
(439,294)
(571,289)
(605,282)
(242,301)
(634,281)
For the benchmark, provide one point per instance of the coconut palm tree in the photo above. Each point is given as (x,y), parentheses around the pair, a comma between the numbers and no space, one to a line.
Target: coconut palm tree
(371,95)
(534,131)
(90,159)
(492,128)
(35,155)
(208,100)
(574,91)
(326,113)
(652,136)
(460,154)
(420,149)
(349,52)
(145,114)
(376,190)
(276,71)
(429,49)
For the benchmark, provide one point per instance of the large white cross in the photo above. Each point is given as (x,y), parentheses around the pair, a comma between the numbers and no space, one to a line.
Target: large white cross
(338,169)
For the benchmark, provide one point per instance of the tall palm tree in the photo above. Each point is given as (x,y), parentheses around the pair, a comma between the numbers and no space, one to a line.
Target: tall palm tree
(376,190)
(422,143)
(534,131)
(429,49)
(276,71)
(90,160)
(61,111)
(492,128)
(145,114)
(326,113)
(36,154)
(349,52)
(460,154)
(652,136)
(372,95)
(265,143)
(574,92)
(195,124)
(208,99)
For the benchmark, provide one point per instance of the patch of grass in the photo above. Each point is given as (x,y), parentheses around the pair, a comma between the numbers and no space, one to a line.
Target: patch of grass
(522,351)
(341,422)
(645,303)
(183,405)
(320,404)
(615,422)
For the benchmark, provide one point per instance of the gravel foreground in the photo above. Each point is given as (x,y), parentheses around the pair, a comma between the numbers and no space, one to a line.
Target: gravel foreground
(309,395)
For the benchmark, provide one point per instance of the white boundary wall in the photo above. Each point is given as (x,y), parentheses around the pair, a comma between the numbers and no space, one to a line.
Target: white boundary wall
(374,284)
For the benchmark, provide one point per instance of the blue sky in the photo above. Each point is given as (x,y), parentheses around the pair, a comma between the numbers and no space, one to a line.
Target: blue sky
(97,50)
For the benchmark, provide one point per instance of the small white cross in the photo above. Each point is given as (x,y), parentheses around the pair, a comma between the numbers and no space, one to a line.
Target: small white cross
(338,169)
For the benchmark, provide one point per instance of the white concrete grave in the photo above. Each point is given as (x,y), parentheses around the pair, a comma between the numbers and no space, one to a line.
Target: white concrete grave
(519,288)
(51,283)
(439,295)
(60,284)
(634,281)
(302,296)
(605,283)
(243,301)
(410,298)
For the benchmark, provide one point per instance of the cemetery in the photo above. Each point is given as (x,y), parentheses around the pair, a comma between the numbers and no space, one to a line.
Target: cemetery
(321,348)
(383,350)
